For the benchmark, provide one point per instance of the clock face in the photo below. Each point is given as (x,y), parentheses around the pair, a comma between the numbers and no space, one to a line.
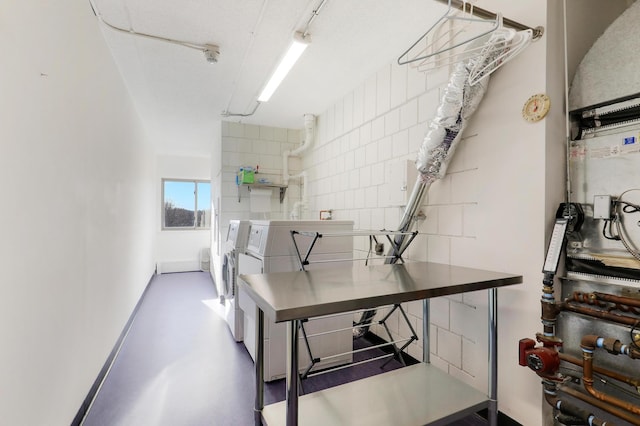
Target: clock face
(536,107)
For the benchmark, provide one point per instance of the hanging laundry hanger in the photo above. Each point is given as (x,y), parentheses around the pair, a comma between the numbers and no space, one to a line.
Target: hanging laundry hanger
(443,39)
(503,45)
(473,49)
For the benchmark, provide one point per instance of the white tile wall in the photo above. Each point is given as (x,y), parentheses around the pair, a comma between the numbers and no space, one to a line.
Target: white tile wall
(399,83)
(463,210)
(251,145)
(391,122)
(439,312)
(369,104)
(359,138)
(450,347)
(383,93)
(475,363)
(469,321)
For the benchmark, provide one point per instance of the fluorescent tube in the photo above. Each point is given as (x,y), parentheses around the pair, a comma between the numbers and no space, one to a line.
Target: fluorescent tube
(288,61)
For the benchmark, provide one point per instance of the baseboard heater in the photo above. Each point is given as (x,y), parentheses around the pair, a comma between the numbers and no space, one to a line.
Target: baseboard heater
(169,267)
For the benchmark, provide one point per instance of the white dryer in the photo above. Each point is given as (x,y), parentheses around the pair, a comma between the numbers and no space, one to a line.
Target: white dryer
(234,246)
(270,249)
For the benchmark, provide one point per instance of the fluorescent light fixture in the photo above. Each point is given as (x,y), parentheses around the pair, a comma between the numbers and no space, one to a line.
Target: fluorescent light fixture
(298,45)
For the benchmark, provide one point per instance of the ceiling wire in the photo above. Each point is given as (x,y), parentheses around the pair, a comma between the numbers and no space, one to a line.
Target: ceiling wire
(226,112)
(315,12)
(196,46)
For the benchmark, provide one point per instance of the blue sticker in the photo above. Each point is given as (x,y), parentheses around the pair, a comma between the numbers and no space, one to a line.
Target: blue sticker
(629,140)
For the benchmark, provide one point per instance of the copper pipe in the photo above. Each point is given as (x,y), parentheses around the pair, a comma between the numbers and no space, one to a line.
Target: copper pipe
(588,345)
(601,405)
(617,299)
(610,302)
(550,310)
(588,298)
(589,342)
(632,381)
(620,319)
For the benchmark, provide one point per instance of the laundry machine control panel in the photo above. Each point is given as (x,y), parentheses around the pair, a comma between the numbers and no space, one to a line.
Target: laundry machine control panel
(257,239)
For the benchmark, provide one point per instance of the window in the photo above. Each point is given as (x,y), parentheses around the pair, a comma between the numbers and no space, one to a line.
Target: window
(186,204)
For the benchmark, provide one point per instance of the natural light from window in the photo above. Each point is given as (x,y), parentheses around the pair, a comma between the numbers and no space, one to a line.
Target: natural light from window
(186,204)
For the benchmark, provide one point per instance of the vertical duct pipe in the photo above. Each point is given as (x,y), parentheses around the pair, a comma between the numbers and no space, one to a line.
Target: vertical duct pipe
(309,128)
(459,101)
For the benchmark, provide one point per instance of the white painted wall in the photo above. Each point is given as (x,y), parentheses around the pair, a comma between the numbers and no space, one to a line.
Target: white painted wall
(179,250)
(78,198)
(493,209)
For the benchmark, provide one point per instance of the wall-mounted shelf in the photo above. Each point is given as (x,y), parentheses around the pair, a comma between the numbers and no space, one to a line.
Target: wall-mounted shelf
(281,187)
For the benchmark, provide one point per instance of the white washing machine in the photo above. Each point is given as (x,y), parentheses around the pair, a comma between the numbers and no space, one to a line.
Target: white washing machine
(270,249)
(235,245)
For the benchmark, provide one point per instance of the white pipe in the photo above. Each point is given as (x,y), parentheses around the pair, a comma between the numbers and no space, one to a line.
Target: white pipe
(298,206)
(309,127)
(285,180)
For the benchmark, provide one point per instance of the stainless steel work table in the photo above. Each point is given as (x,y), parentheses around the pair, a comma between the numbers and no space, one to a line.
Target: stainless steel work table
(414,395)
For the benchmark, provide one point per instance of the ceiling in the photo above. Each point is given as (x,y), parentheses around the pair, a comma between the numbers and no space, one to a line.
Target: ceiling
(180,96)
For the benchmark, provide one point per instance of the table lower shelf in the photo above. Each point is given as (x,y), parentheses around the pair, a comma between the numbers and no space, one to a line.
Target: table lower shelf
(420,394)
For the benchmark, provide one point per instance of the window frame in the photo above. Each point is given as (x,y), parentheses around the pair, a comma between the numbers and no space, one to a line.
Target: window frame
(196,206)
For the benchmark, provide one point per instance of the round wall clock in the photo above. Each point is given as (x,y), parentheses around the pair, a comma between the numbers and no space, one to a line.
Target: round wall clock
(536,107)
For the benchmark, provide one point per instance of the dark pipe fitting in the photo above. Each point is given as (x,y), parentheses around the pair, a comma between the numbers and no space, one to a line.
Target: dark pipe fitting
(599,422)
(549,329)
(550,311)
(568,420)
(547,289)
(613,346)
(589,342)
(569,409)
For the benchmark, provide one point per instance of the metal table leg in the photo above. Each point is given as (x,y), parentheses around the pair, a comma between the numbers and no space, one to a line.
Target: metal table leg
(493,356)
(426,354)
(292,373)
(259,367)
